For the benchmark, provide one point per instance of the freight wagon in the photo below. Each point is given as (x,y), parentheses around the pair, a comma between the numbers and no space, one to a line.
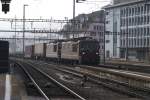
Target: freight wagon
(40,51)
(53,51)
(29,51)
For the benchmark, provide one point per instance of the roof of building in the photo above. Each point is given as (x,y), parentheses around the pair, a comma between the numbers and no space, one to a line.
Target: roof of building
(122,1)
(123,4)
(97,16)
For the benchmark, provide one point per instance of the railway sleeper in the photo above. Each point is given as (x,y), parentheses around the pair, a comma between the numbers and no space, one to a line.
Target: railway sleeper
(140,84)
(128,81)
(131,82)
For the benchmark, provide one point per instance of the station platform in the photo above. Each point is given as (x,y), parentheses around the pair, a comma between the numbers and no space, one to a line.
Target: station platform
(123,62)
(12,88)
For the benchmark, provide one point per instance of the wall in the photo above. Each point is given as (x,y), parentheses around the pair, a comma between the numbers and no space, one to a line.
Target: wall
(124,1)
(113,27)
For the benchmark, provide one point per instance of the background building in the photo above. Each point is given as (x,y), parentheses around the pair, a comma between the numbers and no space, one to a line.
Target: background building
(112,44)
(131,21)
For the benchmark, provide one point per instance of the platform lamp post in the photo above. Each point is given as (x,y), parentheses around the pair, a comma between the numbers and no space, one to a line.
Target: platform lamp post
(24,29)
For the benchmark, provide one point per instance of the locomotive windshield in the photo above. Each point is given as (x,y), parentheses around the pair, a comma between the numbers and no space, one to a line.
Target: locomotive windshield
(89,46)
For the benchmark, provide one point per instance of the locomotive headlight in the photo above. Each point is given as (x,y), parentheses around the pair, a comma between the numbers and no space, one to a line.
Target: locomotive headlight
(83,53)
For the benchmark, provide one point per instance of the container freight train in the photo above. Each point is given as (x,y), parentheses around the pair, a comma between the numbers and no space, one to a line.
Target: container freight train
(80,51)
(4,56)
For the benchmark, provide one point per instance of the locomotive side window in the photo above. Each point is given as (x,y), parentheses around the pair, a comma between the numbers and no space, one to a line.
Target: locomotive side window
(74,48)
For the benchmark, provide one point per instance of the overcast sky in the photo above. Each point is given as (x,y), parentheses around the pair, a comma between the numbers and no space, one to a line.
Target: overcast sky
(46,9)
(57,9)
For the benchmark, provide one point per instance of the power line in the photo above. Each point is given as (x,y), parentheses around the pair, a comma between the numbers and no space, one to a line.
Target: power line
(39,20)
(45,31)
(5,38)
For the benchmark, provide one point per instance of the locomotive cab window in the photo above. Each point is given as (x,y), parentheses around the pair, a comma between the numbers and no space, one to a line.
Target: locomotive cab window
(89,46)
(74,47)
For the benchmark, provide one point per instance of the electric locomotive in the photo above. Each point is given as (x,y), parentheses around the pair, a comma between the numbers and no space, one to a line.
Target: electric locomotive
(89,52)
(82,51)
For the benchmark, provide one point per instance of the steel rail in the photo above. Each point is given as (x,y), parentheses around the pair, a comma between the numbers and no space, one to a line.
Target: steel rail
(66,88)
(105,84)
(38,87)
(114,81)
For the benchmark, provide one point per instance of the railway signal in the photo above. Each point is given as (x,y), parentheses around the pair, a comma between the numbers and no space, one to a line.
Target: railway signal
(5,5)
(5,8)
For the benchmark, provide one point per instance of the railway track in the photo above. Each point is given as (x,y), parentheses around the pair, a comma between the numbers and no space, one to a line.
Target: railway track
(91,90)
(133,79)
(111,84)
(49,88)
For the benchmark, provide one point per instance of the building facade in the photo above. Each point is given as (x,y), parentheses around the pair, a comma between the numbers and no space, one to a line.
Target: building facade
(112,39)
(132,25)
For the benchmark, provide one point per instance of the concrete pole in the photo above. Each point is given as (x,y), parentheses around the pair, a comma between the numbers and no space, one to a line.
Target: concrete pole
(74,12)
(104,37)
(126,56)
(24,30)
(15,36)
